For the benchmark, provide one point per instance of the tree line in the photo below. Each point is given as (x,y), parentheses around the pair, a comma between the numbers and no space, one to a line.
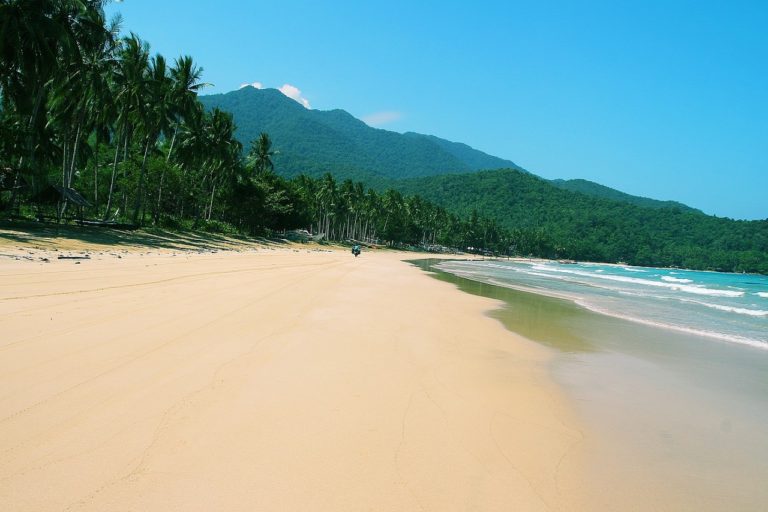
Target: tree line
(93,124)
(544,220)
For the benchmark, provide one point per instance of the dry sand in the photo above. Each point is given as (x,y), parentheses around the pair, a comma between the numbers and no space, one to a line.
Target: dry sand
(272,380)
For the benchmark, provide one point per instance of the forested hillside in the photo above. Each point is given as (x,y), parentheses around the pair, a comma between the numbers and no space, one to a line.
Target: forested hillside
(314,142)
(96,128)
(476,160)
(591,188)
(547,220)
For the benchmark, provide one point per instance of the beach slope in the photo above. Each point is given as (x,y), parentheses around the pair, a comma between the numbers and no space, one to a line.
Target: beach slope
(286,379)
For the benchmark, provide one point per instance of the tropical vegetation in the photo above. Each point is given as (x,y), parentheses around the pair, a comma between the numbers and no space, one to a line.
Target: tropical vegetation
(545,220)
(96,128)
(314,142)
(94,125)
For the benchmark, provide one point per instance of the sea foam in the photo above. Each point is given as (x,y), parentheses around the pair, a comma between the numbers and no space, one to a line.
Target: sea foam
(687,288)
(698,332)
(730,309)
(676,280)
(723,306)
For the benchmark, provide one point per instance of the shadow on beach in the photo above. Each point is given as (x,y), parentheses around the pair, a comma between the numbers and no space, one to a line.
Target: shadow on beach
(43,235)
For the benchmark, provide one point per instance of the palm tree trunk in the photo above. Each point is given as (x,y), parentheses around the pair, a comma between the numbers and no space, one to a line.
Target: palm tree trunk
(67,178)
(183,194)
(64,164)
(33,121)
(124,188)
(162,177)
(112,181)
(156,213)
(210,205)
(140,191)
(74,157)
(173,141)
(31,144)
(59,206)
(96,180)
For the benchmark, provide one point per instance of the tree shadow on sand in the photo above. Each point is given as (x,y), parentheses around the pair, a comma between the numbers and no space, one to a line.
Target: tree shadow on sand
(43,235)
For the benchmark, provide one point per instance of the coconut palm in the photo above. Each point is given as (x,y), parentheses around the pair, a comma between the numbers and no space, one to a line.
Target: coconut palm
(156,118)
(208,154)
(185,77)
(30,35)
(186,85)
(129,82)
(261,154)
(36,36)
(80,97)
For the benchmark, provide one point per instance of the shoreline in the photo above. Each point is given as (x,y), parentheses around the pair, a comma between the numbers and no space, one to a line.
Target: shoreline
(579,301)
(675,421)
(279,378)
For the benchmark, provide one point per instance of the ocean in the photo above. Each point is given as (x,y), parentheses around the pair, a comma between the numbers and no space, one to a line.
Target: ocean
(729,307)
(668,369)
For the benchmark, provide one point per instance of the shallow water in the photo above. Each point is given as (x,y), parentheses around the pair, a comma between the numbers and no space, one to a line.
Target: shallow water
(729,307)
(678,421)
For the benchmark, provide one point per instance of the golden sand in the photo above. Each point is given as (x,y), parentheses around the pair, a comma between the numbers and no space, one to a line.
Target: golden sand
(288,379)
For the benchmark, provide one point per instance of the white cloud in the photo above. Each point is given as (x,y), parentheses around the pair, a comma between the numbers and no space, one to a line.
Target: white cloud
(255,85)
(379,118)
(294,93)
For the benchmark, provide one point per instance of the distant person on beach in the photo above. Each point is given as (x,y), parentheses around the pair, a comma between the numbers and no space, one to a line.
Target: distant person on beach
(356,250)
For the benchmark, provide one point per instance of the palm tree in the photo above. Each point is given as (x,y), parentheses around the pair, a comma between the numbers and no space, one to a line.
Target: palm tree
(261,154)
(208,154)
(35,37)
(130,82)
(80,97)
(30,35)
(156,118)
(392,204)
(191,151)
(326,199)
(186,84)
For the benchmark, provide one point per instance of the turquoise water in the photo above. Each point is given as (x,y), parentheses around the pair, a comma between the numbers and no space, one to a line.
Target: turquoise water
(729,307)
(667,368)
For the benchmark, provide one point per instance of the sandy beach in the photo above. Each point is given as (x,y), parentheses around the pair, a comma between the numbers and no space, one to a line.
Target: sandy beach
(273,379)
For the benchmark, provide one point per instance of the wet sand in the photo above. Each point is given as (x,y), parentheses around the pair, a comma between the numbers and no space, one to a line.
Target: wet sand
(286,379)
(674,422)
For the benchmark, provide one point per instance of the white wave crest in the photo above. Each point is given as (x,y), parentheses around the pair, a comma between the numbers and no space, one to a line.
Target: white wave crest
(731,309)
(687,288)
(762,294)
(675,280)
(762,344)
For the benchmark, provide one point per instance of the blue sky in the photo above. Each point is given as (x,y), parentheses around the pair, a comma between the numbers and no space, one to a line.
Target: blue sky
(661,99)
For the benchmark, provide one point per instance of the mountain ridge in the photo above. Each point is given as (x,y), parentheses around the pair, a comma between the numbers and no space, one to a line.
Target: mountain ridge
(590,188)
(315,142)
(319,141)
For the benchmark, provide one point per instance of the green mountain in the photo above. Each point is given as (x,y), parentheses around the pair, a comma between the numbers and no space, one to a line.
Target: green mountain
(574,219)
(315,142)
(553,221)
(477,160)
(591,188)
